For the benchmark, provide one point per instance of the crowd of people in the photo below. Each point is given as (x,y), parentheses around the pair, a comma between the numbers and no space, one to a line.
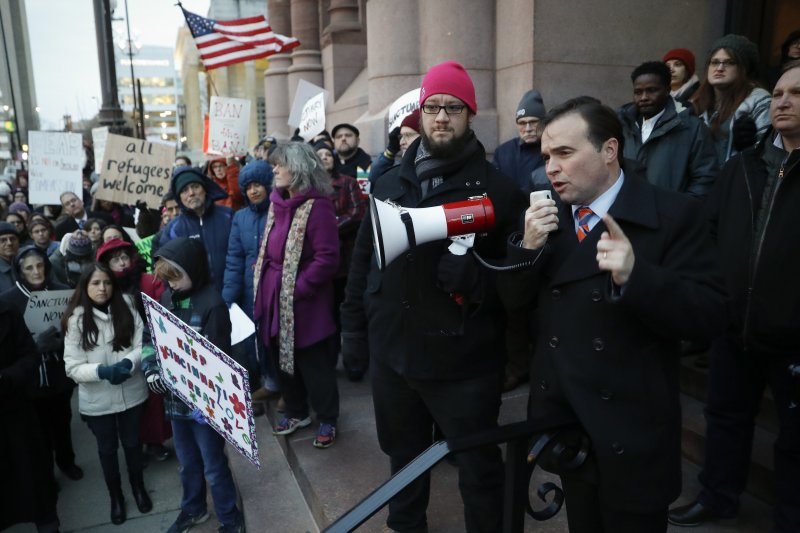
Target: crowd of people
(664,235)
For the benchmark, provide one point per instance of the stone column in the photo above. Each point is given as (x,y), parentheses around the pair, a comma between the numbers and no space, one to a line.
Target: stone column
(463,30)
(306,58)
(276,92)
(344,50)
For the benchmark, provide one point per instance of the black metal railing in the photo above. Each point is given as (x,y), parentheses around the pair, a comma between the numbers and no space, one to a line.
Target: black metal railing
(560,444)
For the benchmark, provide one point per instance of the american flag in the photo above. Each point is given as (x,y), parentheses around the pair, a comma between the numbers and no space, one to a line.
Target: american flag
(225,42)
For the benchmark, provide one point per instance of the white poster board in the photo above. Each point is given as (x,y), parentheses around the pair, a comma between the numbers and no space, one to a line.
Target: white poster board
(228,126)
(55,162)
(312,120)
(99,136)
(304,92)
(205,378)
(45,309)
(402,107)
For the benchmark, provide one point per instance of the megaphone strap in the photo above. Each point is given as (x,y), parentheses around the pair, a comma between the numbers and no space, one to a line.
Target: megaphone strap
(405,216)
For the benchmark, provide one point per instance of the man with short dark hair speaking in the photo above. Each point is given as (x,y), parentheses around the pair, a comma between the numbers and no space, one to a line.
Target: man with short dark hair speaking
(622,271)
(429,321)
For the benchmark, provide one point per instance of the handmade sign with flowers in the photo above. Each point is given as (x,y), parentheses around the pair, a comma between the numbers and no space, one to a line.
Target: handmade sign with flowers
(205,378)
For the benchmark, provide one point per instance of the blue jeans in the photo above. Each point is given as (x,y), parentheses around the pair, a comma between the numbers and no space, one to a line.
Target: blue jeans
(201,452)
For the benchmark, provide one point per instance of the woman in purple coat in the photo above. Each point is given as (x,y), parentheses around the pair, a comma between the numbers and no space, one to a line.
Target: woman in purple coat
(294,289)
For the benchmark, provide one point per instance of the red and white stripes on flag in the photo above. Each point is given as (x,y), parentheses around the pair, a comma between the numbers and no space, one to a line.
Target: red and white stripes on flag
(226,42)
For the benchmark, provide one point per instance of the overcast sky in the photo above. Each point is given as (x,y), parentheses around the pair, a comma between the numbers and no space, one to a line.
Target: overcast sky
(64,48)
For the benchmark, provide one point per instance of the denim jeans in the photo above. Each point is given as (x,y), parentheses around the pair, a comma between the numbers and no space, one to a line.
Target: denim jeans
(201,452)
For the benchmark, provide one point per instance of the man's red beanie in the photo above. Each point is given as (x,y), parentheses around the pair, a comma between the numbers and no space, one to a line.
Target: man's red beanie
(449,78)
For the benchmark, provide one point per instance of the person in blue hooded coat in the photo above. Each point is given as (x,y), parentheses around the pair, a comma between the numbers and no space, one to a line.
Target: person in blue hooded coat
(200,218)
(247,231)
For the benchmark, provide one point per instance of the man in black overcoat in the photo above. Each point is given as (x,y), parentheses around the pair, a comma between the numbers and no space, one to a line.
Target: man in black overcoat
(623,270)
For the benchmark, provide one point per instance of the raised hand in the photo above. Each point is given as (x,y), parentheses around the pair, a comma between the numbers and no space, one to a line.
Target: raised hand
(614,252)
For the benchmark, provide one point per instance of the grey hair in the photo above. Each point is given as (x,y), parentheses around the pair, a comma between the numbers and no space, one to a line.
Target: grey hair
(304,165)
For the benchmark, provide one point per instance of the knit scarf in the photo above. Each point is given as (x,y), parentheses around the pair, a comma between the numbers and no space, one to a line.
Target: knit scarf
(428,167)
(291,260)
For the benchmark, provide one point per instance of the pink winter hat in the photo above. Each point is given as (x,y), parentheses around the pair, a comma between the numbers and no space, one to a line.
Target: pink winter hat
(449,78)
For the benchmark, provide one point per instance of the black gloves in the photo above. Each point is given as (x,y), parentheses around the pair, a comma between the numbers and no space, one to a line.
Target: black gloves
(355,350)
(744,133)
(116,373)
(394,143)
(49,340)
(458,274)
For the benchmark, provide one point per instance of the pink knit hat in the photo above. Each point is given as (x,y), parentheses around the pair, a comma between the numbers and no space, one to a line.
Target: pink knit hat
(449,78)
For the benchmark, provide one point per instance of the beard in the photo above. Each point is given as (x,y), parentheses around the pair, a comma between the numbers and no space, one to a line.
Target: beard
(446,150)
(346,153)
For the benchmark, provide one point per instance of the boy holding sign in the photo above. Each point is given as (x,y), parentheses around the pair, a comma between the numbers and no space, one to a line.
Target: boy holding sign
(182,263)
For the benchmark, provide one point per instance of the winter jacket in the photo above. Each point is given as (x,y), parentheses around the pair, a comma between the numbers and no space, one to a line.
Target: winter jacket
(679,155)
(202,308)
(760,270)
(412,325)
(313,291)
(51,377)
(247,231)
(97,396)
(756,106)
(518,160)
(213,229)
(229,184)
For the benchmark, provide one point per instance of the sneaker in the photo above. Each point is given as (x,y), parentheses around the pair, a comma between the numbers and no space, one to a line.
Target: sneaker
(325,436)
(238,528)
(289,425)
(185,521)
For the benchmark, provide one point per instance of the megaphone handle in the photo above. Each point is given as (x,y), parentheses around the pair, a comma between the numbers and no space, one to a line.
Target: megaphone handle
(461,244)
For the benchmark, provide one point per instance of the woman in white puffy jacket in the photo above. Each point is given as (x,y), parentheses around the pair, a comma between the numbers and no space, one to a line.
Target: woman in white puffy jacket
(102,353)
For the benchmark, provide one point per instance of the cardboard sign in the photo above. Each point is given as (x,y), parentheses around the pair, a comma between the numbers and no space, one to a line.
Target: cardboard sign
(402,107)
(99,138)
(135,170)
(312,120)
(45,309)
(205,378)
(55,162)
(228,127)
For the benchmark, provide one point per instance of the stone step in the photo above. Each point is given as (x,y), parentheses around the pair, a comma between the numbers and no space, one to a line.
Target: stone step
(761,473)
(694,383)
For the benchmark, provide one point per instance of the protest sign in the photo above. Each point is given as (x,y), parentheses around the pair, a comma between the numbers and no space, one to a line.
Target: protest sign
(305,91)
(55,162)
(402,107)
(135,170)
(228,126)
(99,138)
(205,378)
(312,120)
(45,309)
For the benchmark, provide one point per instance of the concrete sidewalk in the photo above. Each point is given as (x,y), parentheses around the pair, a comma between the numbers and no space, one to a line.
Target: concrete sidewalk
(302,489)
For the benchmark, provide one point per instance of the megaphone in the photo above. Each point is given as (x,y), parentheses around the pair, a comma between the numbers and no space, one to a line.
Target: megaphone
(396,229)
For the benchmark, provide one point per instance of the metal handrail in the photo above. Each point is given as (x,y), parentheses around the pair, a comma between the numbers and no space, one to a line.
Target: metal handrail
(560,442)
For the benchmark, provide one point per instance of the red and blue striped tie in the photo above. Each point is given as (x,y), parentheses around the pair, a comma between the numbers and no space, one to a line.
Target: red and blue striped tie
(583,214)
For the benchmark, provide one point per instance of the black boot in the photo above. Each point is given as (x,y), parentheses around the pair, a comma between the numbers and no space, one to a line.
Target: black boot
(143,502)
(117,503)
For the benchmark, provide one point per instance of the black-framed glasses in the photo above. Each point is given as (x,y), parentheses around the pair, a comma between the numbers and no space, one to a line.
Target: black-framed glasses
(724,63)
(450,109)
